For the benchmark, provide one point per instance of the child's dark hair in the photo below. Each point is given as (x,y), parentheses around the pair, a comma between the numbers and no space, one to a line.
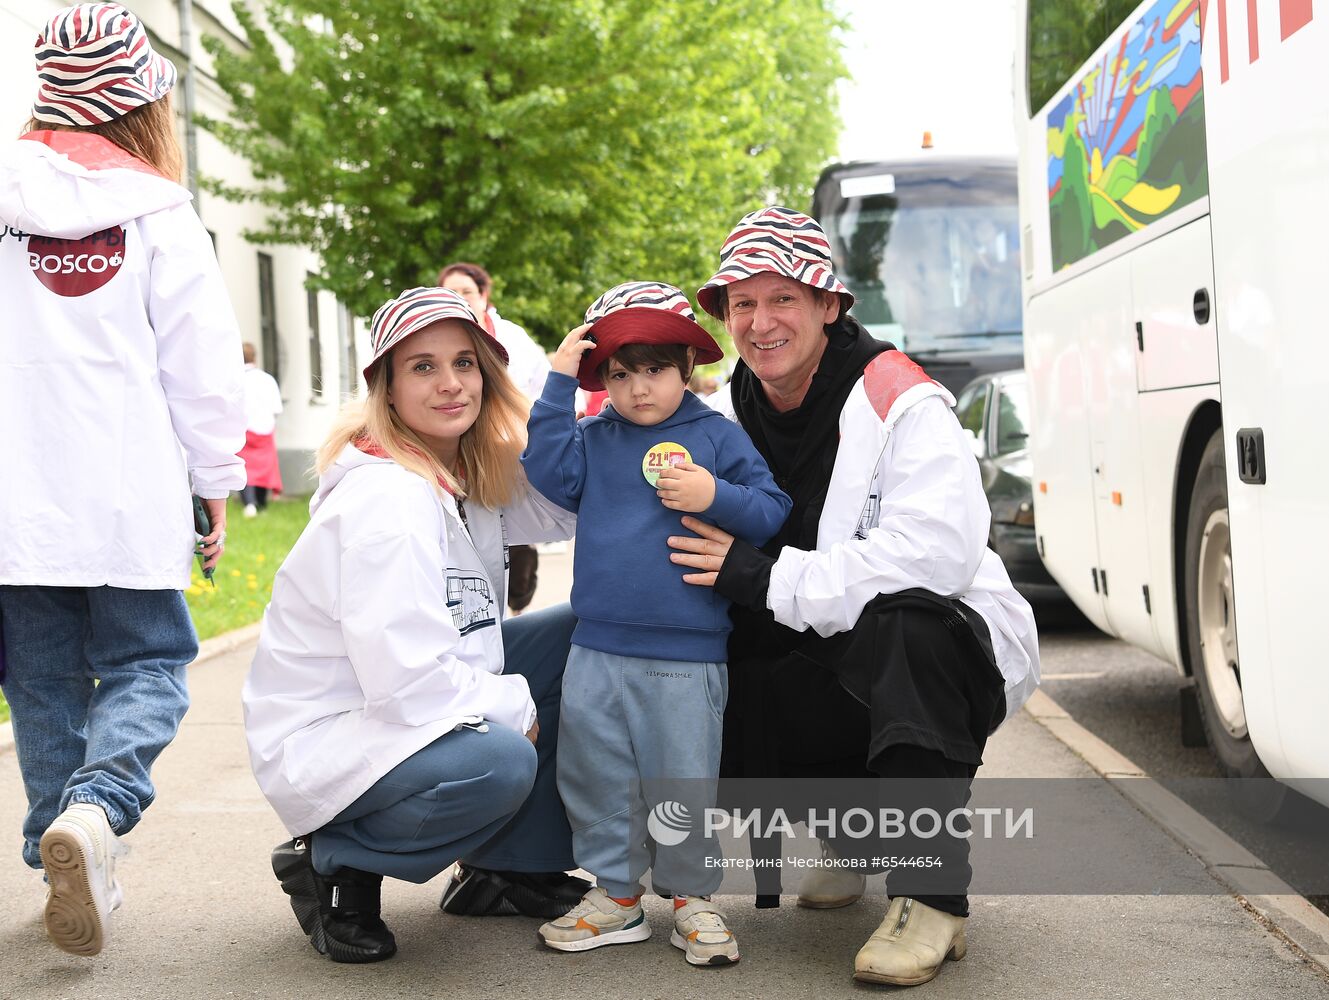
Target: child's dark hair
(635,357)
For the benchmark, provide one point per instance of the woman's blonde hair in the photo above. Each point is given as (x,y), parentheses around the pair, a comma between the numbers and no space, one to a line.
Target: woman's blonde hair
(488,453)
(147,132)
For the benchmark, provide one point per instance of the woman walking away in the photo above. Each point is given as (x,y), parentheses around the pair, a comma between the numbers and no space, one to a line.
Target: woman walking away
(120,394)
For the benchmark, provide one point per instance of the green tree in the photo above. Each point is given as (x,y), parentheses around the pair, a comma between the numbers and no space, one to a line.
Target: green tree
(567,145)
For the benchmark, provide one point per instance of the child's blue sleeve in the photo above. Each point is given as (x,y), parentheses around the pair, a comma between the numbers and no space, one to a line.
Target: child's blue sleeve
(555,458)
(747,502)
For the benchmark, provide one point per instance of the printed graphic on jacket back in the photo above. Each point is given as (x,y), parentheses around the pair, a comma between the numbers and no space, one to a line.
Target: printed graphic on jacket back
(70,267)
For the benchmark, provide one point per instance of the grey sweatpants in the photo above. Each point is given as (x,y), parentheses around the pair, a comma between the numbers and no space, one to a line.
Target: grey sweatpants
(639,739)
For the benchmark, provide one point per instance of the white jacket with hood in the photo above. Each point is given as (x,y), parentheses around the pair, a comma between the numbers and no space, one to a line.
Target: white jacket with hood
(120,368)
(383,634)
(905,509)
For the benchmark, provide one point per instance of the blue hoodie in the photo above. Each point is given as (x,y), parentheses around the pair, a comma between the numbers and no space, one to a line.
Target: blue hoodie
(629,598)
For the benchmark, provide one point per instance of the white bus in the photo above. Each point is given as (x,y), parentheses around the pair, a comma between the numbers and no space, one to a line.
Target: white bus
(1174,209)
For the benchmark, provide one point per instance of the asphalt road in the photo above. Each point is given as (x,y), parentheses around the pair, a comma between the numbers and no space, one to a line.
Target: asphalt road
(1129,699)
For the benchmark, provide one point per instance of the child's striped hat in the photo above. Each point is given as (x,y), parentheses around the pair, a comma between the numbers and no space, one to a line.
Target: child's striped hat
(415,309)
(778,240)
(642,312)
(95,64)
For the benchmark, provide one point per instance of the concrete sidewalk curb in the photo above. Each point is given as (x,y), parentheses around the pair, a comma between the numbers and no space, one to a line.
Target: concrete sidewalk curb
(1274,903)
(207,650)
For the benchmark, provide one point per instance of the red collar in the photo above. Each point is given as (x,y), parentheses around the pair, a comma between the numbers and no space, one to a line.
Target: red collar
(374,449)
(90,150)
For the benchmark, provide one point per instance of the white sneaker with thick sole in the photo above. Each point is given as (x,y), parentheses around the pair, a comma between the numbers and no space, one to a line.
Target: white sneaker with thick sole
(700,931)
(831,884)
(595,922)
(78,852)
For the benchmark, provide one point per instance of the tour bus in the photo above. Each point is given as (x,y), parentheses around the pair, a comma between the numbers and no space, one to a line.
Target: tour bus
(1174,206)
(929,246)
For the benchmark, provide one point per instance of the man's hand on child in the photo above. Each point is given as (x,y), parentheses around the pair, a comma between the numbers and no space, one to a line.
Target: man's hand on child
(686,487)
(567,359)
(534,733)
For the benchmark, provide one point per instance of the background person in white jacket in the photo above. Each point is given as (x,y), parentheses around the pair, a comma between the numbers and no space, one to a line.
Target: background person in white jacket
(395,722)
(529,367)
(876,635)
(119,392)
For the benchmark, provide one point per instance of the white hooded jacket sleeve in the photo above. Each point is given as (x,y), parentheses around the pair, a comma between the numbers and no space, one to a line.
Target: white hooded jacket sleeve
(195,326)
(930,532)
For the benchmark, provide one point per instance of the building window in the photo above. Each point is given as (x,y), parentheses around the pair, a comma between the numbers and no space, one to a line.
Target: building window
(315,342)
(267,315)
(346,347)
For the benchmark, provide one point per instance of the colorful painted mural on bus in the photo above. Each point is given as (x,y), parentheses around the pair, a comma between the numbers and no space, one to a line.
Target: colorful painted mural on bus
(1126,144)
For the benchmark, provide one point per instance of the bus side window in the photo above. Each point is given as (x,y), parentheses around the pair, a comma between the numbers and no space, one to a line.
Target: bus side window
(1062,35)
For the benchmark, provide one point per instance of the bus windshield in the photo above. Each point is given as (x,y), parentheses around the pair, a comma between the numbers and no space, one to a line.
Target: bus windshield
(930,251)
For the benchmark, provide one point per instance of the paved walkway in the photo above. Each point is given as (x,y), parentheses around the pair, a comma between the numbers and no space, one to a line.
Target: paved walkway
(205,918)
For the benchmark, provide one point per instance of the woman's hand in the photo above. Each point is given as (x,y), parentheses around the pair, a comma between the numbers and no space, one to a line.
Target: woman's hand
(686,487)
(706,553)
(211,546)
(534,734)
(567,359)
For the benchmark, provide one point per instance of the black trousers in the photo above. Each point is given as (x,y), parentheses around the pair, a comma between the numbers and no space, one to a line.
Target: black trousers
(523,564)
(904,701)
(257,495)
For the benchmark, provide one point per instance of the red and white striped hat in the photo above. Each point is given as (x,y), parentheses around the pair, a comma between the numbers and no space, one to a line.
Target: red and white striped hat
(779,240)
(642,312)
(415,309)
(94,64)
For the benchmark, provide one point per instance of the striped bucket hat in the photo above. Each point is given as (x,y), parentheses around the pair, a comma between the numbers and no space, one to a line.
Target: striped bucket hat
(95,64)
(778,240)
(642,312)
(412,311)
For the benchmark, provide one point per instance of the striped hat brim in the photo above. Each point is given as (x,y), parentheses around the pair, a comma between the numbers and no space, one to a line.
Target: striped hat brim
(642,325)
(412,311)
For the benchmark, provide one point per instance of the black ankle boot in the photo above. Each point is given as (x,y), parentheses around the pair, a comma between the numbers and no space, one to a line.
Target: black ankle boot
(481,892)
(339,912)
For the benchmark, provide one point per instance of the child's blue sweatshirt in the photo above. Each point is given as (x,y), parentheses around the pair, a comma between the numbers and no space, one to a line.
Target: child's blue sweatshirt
(629,598)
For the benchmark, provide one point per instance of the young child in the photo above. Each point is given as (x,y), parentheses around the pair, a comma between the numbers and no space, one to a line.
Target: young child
(645,685)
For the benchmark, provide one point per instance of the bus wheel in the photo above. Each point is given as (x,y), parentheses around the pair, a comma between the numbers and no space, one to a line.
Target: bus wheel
(1211,625)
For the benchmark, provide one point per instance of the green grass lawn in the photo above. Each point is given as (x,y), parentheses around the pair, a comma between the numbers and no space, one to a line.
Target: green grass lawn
(255,548)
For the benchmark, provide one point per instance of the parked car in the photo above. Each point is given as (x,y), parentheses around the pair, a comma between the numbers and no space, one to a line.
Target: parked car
(994,412)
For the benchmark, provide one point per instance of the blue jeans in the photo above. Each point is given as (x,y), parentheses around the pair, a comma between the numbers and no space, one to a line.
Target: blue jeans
(487,797)
(95,680)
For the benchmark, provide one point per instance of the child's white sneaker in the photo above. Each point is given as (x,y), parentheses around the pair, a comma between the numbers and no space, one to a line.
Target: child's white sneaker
(700,931)
(596,921)
(78,852)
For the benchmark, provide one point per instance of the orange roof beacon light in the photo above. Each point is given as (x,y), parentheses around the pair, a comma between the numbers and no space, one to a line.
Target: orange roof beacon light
(927,140)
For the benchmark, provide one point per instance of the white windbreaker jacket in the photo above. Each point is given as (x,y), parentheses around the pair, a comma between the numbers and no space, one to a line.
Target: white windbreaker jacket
(905,509)
(383,634)
(119,368)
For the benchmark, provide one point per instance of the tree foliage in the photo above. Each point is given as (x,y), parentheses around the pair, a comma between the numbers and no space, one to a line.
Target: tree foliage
(566,145)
